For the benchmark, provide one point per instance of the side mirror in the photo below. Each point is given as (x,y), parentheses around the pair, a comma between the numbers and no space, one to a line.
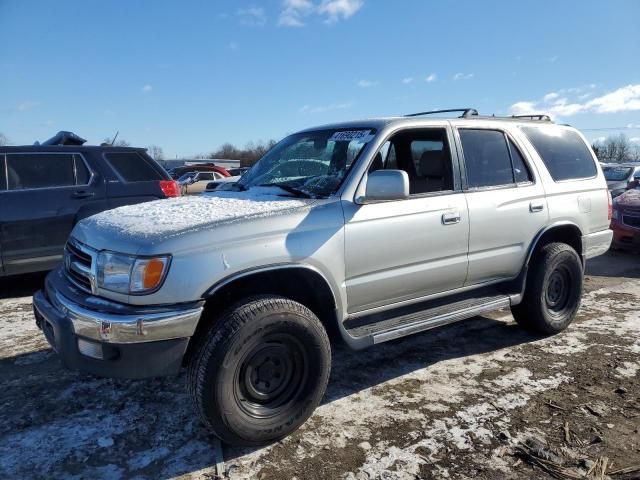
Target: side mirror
(386,185)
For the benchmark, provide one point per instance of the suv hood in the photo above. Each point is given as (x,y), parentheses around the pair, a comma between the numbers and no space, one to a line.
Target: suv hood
(131,227)
(630,198)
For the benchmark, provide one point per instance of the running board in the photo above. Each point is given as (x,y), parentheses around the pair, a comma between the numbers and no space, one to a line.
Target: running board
(407,321)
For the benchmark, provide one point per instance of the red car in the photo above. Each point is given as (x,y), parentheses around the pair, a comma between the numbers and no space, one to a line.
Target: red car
(625,220)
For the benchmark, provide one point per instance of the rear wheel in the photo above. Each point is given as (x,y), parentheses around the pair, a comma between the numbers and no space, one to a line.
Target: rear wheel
(553,290)
(261,371)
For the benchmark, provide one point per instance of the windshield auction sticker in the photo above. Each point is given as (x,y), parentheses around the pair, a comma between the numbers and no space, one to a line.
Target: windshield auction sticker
(360,136)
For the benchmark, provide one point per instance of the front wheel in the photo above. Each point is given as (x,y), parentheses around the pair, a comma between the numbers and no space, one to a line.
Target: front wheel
(261,371)
(553,290)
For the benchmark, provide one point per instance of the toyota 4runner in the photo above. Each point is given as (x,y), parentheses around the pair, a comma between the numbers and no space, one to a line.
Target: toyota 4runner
(373,230)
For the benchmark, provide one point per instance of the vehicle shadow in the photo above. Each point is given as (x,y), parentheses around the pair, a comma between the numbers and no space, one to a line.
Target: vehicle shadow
(21,285)
(614,263)
(148,428)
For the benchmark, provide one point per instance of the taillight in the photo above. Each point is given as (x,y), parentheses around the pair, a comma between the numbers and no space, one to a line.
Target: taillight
(610,209)
(170,188)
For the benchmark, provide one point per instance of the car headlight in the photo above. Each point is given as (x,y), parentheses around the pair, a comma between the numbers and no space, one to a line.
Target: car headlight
(614,213)
(127,274)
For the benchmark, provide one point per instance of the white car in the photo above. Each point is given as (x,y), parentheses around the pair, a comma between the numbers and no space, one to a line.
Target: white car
(220,184)
(196,182)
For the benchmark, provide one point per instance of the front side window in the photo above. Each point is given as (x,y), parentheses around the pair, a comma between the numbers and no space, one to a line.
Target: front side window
(311,164)
(423,154)
(39,170)
(486,157)
(563,152)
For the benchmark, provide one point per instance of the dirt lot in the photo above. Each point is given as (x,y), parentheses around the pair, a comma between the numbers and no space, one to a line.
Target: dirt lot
(479,399)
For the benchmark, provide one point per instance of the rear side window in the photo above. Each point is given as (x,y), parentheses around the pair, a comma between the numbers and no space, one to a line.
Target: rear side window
(82,172)
(563,152)
(521,173)
(132,167)
(486,158)
(39,170)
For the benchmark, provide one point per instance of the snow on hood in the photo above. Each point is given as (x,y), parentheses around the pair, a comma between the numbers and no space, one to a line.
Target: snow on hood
(177,215)
(629,198)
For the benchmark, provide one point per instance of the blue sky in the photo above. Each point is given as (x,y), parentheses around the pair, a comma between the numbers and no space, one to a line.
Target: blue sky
(190,75)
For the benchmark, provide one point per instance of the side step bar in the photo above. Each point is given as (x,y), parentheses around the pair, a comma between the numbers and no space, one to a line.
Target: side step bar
(382,328)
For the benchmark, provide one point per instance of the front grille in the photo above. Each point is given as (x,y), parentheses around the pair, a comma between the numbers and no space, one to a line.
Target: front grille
(78,263)
(634,211)
(631,221)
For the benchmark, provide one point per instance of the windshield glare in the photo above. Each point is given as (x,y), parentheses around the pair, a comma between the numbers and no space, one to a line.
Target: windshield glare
(616,174)
(312,164)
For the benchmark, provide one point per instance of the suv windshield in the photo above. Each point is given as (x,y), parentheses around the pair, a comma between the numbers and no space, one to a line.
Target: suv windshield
(616,174)
(309,164)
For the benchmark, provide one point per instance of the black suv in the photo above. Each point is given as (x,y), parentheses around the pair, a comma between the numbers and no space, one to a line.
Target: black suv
(46,189)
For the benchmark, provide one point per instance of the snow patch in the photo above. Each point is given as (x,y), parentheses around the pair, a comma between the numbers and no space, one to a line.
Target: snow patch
(182,214)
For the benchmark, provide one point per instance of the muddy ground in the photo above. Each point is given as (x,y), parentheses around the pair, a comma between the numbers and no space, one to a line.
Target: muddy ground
(479,399)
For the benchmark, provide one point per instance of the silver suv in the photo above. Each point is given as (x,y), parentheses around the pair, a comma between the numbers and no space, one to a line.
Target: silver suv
(371,230)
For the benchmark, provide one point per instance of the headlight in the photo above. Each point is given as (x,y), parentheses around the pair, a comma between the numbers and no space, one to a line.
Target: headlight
(127,274)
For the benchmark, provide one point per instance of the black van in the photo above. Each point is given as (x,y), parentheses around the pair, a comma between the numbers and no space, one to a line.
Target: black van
(46,189)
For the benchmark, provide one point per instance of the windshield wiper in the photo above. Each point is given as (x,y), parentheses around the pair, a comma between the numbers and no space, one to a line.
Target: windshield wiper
(288,188)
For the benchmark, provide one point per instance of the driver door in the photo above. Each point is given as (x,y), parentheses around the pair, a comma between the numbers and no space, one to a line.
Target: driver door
(403,250)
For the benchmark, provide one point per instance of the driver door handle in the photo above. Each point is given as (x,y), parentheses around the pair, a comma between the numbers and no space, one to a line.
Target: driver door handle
(450,218)
(82,194)
(536,207)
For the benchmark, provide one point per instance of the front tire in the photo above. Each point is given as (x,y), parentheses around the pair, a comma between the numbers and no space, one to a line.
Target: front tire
(553,290)
(261,371)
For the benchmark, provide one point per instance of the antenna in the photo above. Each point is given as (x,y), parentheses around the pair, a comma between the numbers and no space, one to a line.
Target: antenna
(114,138)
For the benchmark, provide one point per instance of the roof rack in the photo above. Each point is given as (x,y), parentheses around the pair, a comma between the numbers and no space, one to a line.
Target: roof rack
(466,112)
(536,116)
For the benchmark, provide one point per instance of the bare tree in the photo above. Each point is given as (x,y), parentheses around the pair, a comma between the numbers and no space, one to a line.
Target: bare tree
(156,152)
(117,143)
(248,155)
(3,140)
(615,149)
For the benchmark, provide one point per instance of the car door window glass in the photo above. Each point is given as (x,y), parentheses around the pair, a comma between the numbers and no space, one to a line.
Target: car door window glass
(41,170)
(486,158)
(83,175)
(521,172)
(423,154)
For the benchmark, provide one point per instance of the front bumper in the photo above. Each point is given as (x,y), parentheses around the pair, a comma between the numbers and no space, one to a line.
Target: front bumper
(625,236)
(134,343)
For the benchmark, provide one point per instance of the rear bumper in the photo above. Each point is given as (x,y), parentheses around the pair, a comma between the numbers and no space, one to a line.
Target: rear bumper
(132,345)
(596,243)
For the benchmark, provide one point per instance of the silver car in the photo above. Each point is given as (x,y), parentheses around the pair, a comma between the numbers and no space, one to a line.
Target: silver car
(371,230)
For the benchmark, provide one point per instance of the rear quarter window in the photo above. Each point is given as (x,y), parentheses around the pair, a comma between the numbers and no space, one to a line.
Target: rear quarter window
(563,152)
(133,167)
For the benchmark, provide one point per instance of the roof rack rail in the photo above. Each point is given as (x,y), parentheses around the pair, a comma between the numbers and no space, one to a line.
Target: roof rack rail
(466,112)
(536,116)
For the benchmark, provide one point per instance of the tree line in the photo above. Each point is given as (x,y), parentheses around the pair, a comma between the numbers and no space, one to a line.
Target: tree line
(617,149)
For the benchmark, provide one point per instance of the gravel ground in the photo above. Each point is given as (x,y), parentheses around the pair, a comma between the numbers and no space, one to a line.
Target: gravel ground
(478,399)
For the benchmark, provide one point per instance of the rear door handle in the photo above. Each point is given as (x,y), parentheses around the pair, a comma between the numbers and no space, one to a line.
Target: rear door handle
(82,194)
(536,207)
(450,218)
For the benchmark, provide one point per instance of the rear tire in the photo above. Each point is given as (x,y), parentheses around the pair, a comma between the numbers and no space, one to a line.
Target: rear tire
(261,371)
(553,290)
